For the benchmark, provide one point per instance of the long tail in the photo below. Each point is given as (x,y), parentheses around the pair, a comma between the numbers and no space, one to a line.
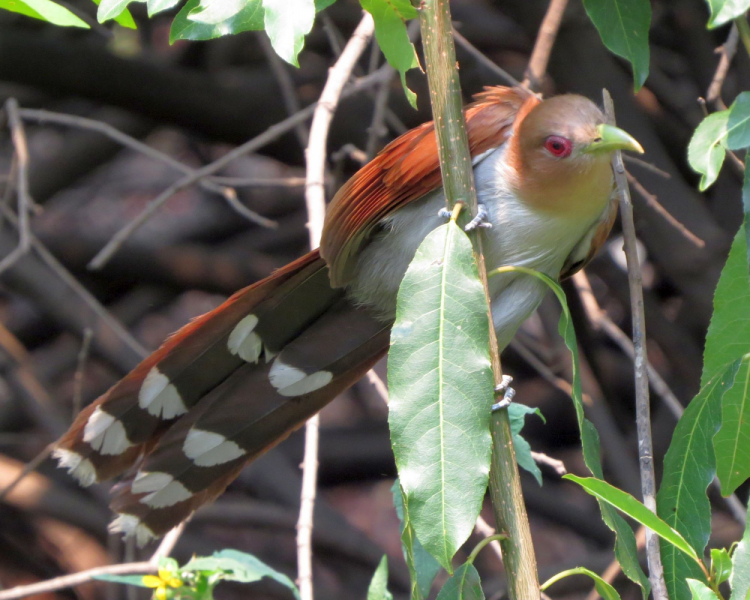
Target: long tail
(220,392)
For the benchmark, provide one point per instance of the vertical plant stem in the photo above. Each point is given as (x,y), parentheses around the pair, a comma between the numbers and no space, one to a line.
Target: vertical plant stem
(744,29)
(458,181)
(642,405)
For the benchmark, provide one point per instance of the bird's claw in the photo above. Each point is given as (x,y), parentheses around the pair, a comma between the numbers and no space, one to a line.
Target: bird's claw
(480,221)
(444,213)
(507,392)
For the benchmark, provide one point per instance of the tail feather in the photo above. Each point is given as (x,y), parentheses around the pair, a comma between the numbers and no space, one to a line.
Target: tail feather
(242,418)
(220,392)
(109,435)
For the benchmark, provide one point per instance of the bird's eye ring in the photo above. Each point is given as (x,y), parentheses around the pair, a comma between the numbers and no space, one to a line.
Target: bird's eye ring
(558,146)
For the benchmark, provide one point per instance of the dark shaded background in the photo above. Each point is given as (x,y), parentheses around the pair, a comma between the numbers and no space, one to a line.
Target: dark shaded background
(196,100)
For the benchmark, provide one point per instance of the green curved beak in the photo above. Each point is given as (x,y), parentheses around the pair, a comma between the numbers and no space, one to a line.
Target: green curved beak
(613,138)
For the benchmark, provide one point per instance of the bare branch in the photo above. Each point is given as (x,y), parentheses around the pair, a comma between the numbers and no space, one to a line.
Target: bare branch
(483,59)
(545,39)
(88,333)
(727,51)
(316,206)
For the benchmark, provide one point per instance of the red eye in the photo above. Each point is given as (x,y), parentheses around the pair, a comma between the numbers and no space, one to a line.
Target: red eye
(558,146)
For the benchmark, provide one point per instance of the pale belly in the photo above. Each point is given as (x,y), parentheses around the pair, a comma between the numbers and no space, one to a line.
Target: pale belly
(518,237)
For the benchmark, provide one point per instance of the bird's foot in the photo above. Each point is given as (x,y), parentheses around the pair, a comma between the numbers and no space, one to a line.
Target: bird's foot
(480,221)
(507,392)
(444,213)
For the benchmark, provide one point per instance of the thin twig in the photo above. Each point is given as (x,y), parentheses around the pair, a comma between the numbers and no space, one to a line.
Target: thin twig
(545,39)
(557,465)
(18,135)
(727,51)
(643,410)
(28,468)
(83,355)
(260,181)
(268,136)
(377,128)
(316,205)
(646,165)
(654,203)
(484,59)
(288,93)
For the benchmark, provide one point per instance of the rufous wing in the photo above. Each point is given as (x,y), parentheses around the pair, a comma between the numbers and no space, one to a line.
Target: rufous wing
(407,169)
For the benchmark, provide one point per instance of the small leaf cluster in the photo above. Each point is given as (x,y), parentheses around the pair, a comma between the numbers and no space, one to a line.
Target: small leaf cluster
(197,579)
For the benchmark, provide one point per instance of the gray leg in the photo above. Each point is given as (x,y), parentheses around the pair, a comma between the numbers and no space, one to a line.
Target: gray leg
(480,220)
(507,392)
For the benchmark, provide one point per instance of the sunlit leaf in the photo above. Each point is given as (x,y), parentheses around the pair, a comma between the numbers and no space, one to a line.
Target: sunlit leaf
(239,566)
(287,23)
(700,591)
(605,590)
(213,12)
(249,18)
(739,580)
(422,566)
(44,10)
(390,31)
(441,384)
(124,18)
(623,26)
(732,442)
(378,589)
(728,128)
(625,503)
(689,467)
(723,11)
(721,565)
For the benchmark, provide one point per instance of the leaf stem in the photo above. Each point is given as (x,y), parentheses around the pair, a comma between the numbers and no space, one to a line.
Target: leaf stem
(458,181)
(484,542)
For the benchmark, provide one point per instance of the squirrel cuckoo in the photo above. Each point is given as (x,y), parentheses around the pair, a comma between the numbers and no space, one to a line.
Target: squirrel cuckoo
(231,384)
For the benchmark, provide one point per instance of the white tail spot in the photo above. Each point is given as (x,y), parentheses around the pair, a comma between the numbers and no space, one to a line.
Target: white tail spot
(291,381)
(206,448)
(105,433)
(160,397)
(131,526)
(161,488)
(244,342)
(80,468)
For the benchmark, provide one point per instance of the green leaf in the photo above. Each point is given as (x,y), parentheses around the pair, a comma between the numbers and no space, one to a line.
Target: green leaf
(728,128)
(157,6)
(440,382)
(706,151)
(723,11)
(728,336)
(605,590)
(390,31)
(626,551)
(124,18)
(634,509)
(287,23)
(700,591)
(112,9)
(422,566)
(463,585)
(746,209)
(239,566)
(721,565)
(249,18)
(378,589)
(136,580)
(732,442)
(517,414)
(323,4)
(44,10)
(689,467)
(740,578)
(623,26)
(213,12)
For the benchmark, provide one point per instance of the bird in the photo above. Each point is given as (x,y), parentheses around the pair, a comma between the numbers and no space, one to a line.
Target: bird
(234,382)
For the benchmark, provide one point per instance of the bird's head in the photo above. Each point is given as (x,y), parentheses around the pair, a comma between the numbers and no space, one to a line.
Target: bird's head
(561,152)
